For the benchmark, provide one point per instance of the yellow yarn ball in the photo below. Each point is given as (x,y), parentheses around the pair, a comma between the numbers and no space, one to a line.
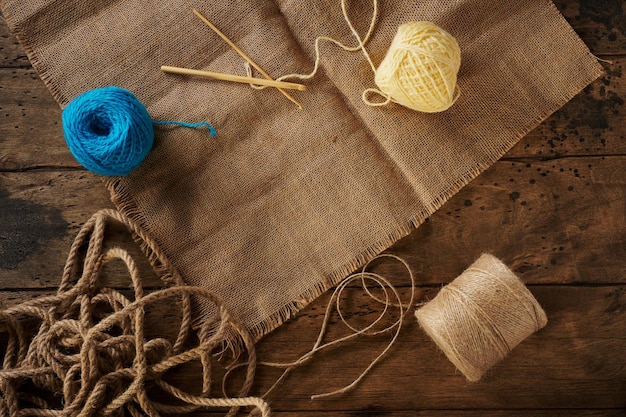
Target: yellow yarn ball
(420,68)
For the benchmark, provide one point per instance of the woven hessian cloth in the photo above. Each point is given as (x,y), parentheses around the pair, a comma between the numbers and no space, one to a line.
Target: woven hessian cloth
(283,203)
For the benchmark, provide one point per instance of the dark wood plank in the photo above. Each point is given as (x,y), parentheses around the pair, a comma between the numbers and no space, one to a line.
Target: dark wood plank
(559,221)
(30,124)
(11,53)
(369,412)
(543,218)
(590,124)
(600,24)
(577,361)
(42,211)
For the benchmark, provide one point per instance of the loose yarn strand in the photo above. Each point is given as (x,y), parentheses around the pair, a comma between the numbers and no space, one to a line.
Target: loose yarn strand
(359,46)
(212,131)
(389,293)
(419,70)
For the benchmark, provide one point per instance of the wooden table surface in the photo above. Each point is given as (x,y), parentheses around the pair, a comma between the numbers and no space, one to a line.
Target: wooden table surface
(553,209)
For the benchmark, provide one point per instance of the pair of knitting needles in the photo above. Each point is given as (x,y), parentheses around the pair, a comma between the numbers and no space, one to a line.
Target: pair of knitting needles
(268,81)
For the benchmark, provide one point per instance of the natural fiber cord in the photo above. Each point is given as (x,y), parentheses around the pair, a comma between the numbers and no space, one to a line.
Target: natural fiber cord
(478,318)
(84,351)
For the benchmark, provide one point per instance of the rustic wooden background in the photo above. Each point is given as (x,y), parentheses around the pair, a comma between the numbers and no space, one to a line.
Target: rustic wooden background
(553,209)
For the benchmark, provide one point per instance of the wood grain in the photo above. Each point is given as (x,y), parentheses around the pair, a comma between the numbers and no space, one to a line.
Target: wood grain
(11,53)
(600,24)
(554,209)
(543,218)
(576,360)
(30,124)
(589,124)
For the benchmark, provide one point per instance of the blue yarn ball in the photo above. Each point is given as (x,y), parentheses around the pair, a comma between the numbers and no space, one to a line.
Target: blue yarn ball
(108,130)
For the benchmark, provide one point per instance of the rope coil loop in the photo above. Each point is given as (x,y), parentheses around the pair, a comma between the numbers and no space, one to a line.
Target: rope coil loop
(84,351)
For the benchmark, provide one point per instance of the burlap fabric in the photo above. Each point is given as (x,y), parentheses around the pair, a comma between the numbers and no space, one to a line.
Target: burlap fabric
(283,203)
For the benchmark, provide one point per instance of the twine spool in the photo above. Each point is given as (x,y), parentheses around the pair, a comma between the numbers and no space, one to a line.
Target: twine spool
(109,131)
(478,318)
(420,68)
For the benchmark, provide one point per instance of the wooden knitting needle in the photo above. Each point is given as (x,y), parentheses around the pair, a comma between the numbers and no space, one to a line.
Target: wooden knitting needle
(243,55)
(234,78)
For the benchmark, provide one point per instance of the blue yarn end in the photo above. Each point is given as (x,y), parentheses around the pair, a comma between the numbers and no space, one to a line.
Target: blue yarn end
(108,130)
(212,131)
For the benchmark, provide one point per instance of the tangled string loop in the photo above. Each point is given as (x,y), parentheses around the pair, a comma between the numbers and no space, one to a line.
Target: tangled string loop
(84,351)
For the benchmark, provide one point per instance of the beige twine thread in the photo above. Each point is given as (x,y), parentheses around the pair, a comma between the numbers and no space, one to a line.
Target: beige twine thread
(478,318)
(390,299)
(89,343)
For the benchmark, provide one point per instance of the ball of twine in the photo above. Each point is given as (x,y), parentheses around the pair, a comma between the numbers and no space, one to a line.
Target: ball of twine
(420,68)
(478,318)
(108,130)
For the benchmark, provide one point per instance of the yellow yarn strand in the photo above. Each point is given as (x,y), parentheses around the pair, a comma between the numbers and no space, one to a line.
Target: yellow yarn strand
(360,46)
(418,72)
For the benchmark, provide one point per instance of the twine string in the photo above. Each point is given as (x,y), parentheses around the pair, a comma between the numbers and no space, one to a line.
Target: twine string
(87,343)
(390,298)
(359,46)
(419,70)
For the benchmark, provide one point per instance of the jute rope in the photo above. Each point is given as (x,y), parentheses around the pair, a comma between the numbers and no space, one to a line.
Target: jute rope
(88,342)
